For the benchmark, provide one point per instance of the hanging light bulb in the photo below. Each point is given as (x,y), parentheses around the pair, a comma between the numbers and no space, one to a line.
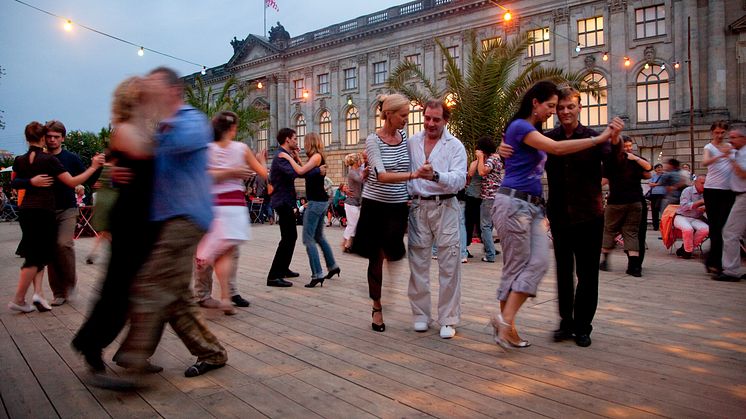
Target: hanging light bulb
(605,56)
(141,51)
(577,48)
(507,16)
(68,25)
(646,66)
(676,65)
(259,85)
(305,94)
(204,70)
(627,62)
(349,100)
(663,66)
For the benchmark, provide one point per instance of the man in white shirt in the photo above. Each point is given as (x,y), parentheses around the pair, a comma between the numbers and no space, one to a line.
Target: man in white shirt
(434,219)
(735,227)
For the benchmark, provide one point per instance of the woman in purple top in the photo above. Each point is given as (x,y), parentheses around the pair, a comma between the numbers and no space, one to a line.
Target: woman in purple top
(518,209)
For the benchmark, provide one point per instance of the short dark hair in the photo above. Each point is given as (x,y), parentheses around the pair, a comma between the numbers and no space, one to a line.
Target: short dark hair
(568,92)
(284,135)
(720,124)
(172,78)
(222,123)
(56,126)
(673,162)
(487,145)
(627,139)
(34,132)
(657,165)
(434,103)
(541,91)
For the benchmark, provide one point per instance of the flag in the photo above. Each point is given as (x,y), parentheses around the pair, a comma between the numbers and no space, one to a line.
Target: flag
(272,4)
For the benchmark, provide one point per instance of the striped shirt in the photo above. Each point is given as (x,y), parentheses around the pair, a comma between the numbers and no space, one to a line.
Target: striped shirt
(383,158)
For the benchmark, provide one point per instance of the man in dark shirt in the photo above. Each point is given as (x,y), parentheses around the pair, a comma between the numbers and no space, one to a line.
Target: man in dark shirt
(62,276)
(624,207)
(282,178)
(576,218)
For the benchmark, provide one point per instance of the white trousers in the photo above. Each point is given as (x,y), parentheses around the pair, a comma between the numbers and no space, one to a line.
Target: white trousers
(734,229)
(693,231)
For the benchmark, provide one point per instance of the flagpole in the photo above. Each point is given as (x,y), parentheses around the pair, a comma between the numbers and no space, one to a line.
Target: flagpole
(265,18)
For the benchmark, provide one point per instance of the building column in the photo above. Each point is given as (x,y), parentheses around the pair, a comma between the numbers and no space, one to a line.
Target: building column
(618,95)
(274,106)
(716,83)
(283,103)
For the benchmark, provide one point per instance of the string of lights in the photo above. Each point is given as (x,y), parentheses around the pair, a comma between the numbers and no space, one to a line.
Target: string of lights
(68,25)
(507,16)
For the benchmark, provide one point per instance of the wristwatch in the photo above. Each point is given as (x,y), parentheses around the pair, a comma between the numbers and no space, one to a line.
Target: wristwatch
(436,177)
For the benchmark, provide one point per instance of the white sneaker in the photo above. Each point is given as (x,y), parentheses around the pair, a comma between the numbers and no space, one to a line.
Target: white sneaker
(26,308)
(420,326)
(447,332)
(40,303)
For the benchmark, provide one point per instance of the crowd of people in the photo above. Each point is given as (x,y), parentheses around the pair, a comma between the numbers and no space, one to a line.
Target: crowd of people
(179,213)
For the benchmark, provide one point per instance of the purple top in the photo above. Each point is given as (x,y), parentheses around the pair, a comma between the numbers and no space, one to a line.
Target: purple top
(525,168)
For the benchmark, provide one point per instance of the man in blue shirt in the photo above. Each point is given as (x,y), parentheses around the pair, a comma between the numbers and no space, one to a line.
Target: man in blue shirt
(282,178)
(181,210)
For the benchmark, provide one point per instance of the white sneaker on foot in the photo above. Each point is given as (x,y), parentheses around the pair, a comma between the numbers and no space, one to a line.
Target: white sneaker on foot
(447,332)
(420,326)
(40,303)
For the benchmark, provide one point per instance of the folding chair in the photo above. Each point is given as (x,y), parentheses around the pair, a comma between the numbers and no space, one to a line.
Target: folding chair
(255,210)
(8,213)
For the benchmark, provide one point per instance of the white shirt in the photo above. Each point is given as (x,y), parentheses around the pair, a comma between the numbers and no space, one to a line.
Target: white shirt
(719,172)
(737,183)
(448,158)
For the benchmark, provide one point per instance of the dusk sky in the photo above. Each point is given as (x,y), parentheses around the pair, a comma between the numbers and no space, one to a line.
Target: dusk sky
(54,74)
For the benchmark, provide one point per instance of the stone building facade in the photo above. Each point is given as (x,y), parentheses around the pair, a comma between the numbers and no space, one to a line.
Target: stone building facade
(327,81)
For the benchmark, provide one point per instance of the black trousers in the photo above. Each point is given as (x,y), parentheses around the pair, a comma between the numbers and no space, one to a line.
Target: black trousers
(718,203)
(577,250)
(643,232)
(655,207)
(472,217)
(286,247)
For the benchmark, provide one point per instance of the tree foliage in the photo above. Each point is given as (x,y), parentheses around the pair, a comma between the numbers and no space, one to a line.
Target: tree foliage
(85,144)
(486,95)
(232,97)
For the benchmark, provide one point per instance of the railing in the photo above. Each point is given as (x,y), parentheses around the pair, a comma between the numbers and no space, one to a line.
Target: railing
(410,8)
(321,34)
(344,27)
(378,17)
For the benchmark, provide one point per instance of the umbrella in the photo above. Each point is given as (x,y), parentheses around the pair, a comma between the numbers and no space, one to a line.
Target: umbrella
(7,169)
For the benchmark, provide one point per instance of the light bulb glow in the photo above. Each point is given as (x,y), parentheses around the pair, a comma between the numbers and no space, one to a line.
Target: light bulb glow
(627,62)
(577,48)
(676,65)
(646,66)
(663,66)
(141,51)
(68,25)
(507,15)
(259,85)
(305,94)
(204,70)
(605,56)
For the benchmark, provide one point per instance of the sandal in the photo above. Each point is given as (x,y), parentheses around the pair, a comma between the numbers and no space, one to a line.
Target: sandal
(377,327)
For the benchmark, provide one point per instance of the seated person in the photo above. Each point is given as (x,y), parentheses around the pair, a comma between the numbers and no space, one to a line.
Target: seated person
(339,198)
(690,218)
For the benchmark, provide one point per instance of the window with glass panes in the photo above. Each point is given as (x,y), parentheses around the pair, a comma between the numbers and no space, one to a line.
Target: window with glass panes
(298,86)
(591,31)
(594,112)
(415,121)
(325,128)
(539,42)
(414,59)
(262,135)
(491,43)
(323,81)
(379,72)
(650,21)
(652,94)
(352,126)
(350,77)
(453,52)
(300,128)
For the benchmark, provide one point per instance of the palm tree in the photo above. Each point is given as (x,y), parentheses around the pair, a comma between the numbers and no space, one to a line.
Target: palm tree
(487,94)
(232,97)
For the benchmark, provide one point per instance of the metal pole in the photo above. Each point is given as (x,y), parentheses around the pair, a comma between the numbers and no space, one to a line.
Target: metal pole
(265,19)
(691,89)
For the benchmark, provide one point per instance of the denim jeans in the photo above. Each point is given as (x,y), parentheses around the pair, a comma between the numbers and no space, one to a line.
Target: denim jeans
(313,233)
(485,222)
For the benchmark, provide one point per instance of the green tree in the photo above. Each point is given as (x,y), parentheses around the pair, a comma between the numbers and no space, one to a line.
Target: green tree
(85,144)
(232,97)
(485,96)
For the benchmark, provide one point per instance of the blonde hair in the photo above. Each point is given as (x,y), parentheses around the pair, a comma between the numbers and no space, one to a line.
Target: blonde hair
(353,158)
(312,144)
(127,96)
(392,103)
(79,188)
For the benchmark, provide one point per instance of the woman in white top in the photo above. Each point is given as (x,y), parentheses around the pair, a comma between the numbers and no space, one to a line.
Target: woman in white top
(230,163)
(718,196)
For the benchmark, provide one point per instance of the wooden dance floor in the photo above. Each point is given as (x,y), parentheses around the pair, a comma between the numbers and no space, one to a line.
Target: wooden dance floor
(670,344)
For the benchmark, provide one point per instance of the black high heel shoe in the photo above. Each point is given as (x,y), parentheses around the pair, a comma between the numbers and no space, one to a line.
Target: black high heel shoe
(335,271)
(314,282)
(377,327)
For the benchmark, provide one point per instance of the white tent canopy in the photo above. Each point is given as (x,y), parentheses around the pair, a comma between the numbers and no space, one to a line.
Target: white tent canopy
(7,169)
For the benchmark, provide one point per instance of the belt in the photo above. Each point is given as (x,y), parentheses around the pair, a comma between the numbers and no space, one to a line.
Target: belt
(435,197)
(532,199)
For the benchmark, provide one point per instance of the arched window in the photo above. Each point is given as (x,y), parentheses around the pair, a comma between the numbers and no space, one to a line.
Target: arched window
(652,94)
(379,121)
(594,112)
(415,122)
(352,126)
(325,128)
(300,128)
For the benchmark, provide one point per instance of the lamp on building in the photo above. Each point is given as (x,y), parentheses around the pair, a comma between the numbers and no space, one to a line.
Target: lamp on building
(349,100)
(305,94)
(259,85)
(605,56)
(676,65)
(507,16)
(646,66)
(627,62)
(577,48)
